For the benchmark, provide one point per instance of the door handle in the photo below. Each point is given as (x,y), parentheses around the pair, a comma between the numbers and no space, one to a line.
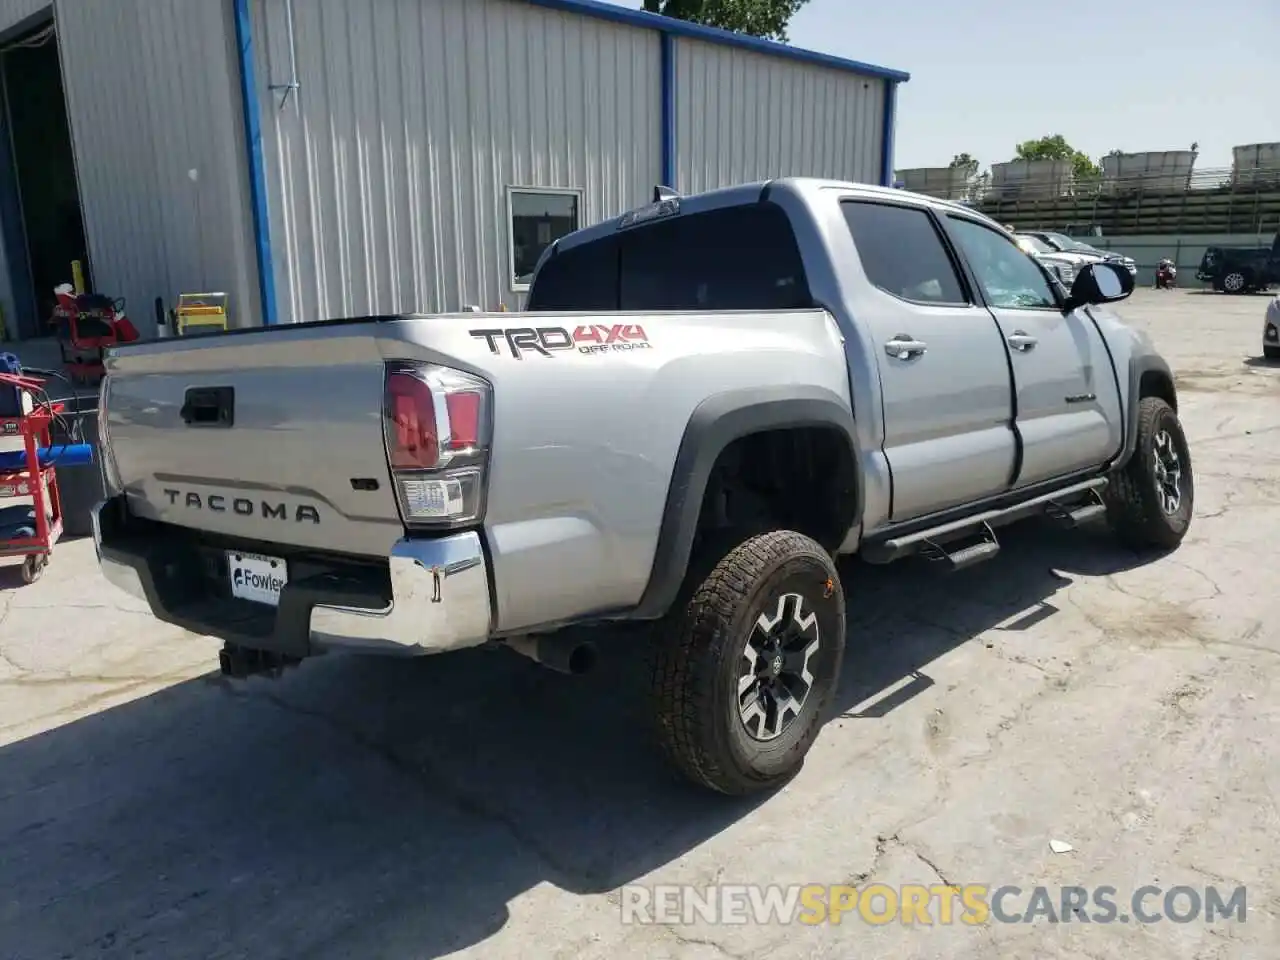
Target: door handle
(1021,340)
(904,347)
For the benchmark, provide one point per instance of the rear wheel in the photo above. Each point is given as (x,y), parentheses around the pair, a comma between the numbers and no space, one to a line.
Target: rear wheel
(746,665)
(1150,501)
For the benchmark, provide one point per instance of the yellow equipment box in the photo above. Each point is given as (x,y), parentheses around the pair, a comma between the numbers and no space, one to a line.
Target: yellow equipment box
(200,313)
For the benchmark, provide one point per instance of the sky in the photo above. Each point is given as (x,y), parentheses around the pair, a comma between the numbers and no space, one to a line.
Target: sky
(1133,76)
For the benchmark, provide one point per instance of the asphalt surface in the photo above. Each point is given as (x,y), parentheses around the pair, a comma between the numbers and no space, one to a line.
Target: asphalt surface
(1066,691)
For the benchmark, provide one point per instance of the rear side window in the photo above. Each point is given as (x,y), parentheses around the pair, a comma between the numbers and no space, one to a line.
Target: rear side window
(736,258)
(902,253)
(584,277)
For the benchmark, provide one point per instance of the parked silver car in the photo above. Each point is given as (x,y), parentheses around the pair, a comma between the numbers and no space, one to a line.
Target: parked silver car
(1061,243)
(1064,266)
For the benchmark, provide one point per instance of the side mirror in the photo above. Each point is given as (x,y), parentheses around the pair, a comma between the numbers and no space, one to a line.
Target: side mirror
(1097,283)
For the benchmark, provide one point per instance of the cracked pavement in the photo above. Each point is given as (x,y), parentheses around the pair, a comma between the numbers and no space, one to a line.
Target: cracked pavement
(478,804)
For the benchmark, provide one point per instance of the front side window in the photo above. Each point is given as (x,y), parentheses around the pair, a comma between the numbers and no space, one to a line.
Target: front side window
(1008,276)
(538,217)
(902,253)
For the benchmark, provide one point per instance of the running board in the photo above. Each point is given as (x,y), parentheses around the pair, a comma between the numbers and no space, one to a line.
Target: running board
(1077,515)
(894,548)
(958,557)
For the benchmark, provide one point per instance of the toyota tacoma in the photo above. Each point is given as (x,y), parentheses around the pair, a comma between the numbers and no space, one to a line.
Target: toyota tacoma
(707,402)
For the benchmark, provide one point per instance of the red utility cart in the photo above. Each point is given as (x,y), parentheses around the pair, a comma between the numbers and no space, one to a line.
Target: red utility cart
(30,532)
(86,325)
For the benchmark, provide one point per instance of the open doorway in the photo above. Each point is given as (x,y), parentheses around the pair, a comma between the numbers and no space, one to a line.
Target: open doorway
(39,195)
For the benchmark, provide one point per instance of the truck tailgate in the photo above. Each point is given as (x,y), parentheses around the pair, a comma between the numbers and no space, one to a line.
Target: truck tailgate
(271,436)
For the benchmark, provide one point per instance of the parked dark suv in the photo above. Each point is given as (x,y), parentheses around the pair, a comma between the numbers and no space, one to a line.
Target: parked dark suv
(1241,269)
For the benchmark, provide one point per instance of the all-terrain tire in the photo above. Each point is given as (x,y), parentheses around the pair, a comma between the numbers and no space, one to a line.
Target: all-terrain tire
(1134,504)
(701,655)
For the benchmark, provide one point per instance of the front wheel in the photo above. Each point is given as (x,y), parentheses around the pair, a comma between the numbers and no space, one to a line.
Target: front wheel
(1235,282)
(1151,499)
(745,668)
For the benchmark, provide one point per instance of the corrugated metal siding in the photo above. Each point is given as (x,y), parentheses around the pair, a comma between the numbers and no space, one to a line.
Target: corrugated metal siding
(151,90)
(13,12)
(388,173)
(743,116)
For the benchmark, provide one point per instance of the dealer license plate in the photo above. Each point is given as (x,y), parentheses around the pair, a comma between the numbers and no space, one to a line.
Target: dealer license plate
(257,578)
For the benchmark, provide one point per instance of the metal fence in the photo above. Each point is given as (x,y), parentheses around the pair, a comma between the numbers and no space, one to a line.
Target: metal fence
(980,187)
(1210,201)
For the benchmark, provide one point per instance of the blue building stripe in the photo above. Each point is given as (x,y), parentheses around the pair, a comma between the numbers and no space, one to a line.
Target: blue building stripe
(886,133)
(669,170)
(257,168)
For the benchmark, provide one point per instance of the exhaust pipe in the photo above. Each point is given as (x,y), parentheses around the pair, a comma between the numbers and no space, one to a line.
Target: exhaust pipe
(561,654)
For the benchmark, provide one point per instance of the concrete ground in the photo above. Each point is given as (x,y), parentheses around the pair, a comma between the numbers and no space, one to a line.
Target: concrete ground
(362,808)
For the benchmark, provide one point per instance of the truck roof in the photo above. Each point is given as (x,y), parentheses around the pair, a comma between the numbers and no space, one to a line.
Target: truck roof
(750,193)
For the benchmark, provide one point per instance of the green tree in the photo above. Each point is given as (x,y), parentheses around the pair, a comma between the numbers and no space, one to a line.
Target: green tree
(759,18)
(965,162)
(1055,147)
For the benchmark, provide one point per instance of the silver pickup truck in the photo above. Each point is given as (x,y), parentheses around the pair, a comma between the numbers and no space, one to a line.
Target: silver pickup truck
(707,402)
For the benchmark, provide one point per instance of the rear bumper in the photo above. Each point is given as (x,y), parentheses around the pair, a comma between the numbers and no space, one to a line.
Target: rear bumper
(431,596)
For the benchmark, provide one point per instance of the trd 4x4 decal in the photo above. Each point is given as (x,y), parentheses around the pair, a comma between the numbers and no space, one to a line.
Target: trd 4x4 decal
(596,338)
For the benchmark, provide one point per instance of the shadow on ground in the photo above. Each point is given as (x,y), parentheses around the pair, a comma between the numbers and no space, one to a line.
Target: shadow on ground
(365,807)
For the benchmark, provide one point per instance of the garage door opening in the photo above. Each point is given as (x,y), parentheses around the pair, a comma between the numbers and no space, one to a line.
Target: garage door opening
(39,196)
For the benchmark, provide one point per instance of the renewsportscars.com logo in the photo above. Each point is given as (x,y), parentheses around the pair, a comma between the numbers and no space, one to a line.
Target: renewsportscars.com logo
(969,904)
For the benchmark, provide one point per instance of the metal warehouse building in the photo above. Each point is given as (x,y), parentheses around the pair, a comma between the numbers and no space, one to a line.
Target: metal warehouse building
(322,158)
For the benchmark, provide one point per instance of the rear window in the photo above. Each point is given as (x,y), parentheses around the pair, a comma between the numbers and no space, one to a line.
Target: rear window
(736,258)
(584,277)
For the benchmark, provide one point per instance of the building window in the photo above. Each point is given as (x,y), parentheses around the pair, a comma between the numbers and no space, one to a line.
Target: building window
(538,217)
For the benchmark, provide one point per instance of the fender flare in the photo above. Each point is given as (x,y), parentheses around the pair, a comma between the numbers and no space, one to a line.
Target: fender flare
(714,424)
(1139,366)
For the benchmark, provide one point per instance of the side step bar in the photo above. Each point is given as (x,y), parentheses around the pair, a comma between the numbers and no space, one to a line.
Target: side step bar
(930,539)
(1078,515)
(957,557)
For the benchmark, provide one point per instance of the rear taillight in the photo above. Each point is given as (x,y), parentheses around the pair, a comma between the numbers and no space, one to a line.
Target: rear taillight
(436,425)
(107,462)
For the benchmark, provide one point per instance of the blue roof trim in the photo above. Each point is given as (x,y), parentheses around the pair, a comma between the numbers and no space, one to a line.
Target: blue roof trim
(682,28)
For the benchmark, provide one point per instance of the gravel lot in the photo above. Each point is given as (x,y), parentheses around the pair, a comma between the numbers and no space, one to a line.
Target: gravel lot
(477,803)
